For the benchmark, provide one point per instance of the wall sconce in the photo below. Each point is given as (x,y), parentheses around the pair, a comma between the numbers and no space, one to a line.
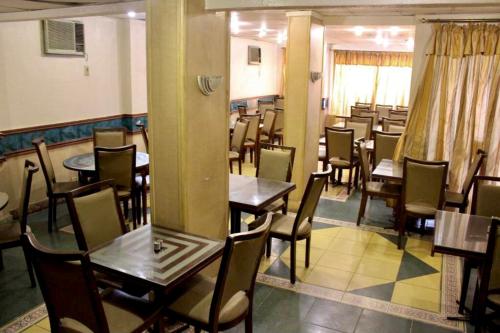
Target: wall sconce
(315,76)
(209,83)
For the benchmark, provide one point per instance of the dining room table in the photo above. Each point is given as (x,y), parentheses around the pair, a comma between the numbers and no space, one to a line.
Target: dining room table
(388,170)
(4,200)
(133,257)
(251,195)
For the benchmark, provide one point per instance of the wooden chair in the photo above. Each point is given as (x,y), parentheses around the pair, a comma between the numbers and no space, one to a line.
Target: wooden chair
(360,131)
(252,137)
(401,108)
(460,200)
(267,131)
(237,149)
(276,162)
(73,301)
(279,126)
(383,110)
(370,188)
(293,229)
(340,153)
(363,105)
(388,123)
(279,103)
(219,306)
(398,115)
(145,135)
(423,191)
(55,189)
(118,164)
(10,233)
(110,136)
(356,110)
(264,106)
(384,145)
(142,181)
(374,115)
(242,110)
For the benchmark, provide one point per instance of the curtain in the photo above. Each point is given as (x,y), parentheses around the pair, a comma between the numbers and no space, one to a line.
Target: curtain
(283,74)
(456,109)
(370,77)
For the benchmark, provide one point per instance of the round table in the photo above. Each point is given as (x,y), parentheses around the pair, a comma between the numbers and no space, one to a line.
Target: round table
(4,200)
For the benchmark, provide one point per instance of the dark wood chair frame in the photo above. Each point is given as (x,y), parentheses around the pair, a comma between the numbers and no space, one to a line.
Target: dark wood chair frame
(397,113)
(251,148)
(376,112)
(401,108)
(123,130)
(361,119)
(398,122)
(241,153)
(375,133)
(142,193)
(144,134)
(23,221)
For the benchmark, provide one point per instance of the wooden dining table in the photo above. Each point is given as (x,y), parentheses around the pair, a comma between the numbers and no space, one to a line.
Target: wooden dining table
(388,170)
(132,257)
(251,195)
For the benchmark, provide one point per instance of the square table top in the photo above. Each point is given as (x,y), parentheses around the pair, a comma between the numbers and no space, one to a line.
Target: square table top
(461,234)
(388,169)
(132,256)
(252,194)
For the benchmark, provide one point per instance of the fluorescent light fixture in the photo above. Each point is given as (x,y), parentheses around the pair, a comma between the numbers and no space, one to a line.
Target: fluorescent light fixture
(358,30)
(379,38)
(131,14)
(410,43)
(394,31)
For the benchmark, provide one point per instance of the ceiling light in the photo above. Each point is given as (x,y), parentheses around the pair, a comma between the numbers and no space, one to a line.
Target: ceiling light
(131,14)
(379,39)
(263,30)
(394,31)
(358,30)
(410,43)
(235,23)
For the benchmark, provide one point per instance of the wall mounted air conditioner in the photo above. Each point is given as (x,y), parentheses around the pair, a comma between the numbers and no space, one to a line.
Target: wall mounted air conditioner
(63,37)
(254,55)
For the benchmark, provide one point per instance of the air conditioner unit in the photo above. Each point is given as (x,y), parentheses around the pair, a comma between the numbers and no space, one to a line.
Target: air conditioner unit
(63,37)
(254,55)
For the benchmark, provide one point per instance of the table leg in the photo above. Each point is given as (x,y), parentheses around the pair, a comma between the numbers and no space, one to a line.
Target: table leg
(235,220)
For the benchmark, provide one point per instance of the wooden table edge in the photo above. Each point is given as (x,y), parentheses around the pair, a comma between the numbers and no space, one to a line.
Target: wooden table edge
(259,208)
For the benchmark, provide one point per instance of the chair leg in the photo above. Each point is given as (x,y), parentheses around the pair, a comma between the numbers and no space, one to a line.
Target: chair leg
(268,246)
(230,166)
(349,182)
(465,285)
(362,207)
(138,205)
(30,269)
(293,258)
(356,177)
(134,211)
(402,227)
(251,155)
(249,321)
(239,164)
(125,209)
(308,251)
(49,222)
(54,214)
(144,204)
(1,260)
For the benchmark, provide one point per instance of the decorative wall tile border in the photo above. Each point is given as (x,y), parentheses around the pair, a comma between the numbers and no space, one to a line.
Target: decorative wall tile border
(26,320)
(18,141)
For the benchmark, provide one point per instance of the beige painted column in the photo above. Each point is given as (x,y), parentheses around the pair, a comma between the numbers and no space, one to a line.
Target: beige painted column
(188,131)
(302,96)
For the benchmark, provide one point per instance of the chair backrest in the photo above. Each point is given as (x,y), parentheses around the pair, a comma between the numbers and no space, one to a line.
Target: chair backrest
(365,164)
(269,121)
(238,269)
(424,182)
(386,122)
(239,134)
(401,108)
(473,170)
(361,125)
(493,257)
(396,129)
(398,115)
(242,110)
(310,199)
(117,164)
(95,214)
(384,145)
(253,121)
(356,110)
(363,105)
(68,286)
(486,196)
(264,106)
(45,162)
(144,134)
(110,137)
(279,103)
(279,123)
(373,115)
(24,199)
(339,143)
(275,162)
(383,109)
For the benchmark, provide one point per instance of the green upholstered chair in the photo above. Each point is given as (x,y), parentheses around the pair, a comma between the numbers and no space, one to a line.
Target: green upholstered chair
(423,191)
(110,136)
(252,137)
(237,148)
(118,164)
(55,189)
(387,123)
(279,126)
(398,115)
(362,126)
(293,229)
(276,163)
(460,200)
(372,114)
(10,233)
(383,110)
(370,188)
(267,131)
(340,152)
(73,301)
(384,146)
(219,305)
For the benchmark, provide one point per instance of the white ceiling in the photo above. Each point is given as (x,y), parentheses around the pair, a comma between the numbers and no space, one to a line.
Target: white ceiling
(11,6)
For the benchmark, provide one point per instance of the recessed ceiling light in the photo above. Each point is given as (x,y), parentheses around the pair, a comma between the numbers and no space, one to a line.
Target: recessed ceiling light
(358,30)
(263,30)
(131,14)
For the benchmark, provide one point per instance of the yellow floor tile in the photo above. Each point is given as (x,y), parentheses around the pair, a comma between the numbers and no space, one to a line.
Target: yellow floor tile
(356,235)
(346,246)
(266,262)
(416,297)
(380,240)
(432,281)
(44,323)
(435,262)
(321,241)
(382,252)
(343,262)
(328,232)
(361,281)
(328,277)
(301,255)
(35,329)
(300,270)
(377,268)
(418,245)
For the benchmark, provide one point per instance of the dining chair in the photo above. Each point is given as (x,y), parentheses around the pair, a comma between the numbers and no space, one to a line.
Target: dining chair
(242,110)
(363,105)
(276,162)
(252,136)
(142,181)
(374,115)
(279,103)
(396,129)
(55,190)
(237,149)
(360,131)
(267,131)
(110,136)
(118,164)
(279,126)
(383,110)
(423,191)
(340,153)
(264,106)
(370,188)
(401,108)
(73,301)
(293,229)
(145,135)
(460,200)
(10,233)
(220,305)
(384,145)
(322,156)
(387,122)
(356,110)
(398,115)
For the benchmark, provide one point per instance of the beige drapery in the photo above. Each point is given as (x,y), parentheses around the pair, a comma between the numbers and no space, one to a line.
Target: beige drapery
(368,58)
(456,109)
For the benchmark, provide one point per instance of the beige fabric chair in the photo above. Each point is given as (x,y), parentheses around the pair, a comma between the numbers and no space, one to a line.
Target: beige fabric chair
(291,229)
(383,110)
(110,136)
(118,164)
(384,146)
(242,110)
(360,131)
(78,307)
(55,189)
(363,105)
(396,129)
(264,106)
(267,131)
(401,108)
(276,163)
(461,199)
(356,110)
(423,191)
(219,305)
(398,115)
(145,135)
(279,103)
(386,122)
(10,233)
(340,154)
(374,115)
(279,126)
(237,149)
(252,136)
(373,189)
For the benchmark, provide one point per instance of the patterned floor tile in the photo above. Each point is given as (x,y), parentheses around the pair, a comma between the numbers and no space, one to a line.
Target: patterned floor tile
(328,277)
(362,281)
(382,292)
(377,268)
(343,262)
(416,297)
(432,281)
(347,246)
(412,266)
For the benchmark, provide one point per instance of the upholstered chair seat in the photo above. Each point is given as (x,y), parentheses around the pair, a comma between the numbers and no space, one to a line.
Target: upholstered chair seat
(276,206)
(234,154)
(340,150)
(283,225)
(264,138)
(421,208)
(494,298)
(339,162)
